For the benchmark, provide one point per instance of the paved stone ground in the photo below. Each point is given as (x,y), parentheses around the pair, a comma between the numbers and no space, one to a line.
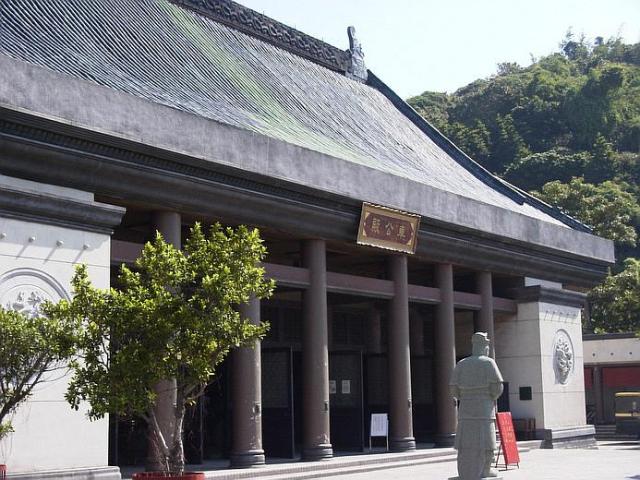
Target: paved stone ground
(611,461)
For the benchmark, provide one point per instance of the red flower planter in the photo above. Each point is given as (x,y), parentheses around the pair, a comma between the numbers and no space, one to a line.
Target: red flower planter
(3,472)
(165,476)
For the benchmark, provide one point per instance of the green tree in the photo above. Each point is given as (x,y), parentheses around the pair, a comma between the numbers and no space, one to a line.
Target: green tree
(32,349)
(432,106)
(608,208)
(615,304)
(533,171)
(174,319)
(628,170)
(509,145)
(591,110)
(474,141)
(508,68)
(575,50)
(563,100)
(602,165)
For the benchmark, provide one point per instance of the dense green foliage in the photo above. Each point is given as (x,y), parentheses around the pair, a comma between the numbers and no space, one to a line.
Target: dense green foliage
(567,128)
(175,318)
(616,303)
(606,207)
(566,102)
(32,349)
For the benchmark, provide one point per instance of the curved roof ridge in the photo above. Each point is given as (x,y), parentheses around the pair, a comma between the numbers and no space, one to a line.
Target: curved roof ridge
(271,31)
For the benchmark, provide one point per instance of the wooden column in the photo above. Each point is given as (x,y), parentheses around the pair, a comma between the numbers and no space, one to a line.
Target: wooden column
(374,330)
(485,314)
(169,224)
(246,392)
(598,394)
(400,407)
(315,356)
(416,332)
(445,357)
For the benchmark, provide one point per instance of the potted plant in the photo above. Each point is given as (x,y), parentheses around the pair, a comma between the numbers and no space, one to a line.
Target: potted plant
(171,323)
(32,346)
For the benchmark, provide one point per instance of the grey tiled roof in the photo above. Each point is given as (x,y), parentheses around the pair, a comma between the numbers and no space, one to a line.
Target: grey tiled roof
(159,51)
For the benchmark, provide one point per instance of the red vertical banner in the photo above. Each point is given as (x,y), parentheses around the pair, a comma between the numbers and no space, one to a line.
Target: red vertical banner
(508,438)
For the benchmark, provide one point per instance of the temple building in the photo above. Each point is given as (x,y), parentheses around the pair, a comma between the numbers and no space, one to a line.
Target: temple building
(388,244)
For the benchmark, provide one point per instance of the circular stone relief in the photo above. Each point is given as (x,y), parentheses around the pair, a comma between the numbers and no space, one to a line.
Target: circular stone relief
(563,356)
(24,290)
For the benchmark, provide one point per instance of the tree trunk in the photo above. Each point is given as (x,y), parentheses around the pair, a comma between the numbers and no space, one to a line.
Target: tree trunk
(176,459)
(162,426)
(166,435)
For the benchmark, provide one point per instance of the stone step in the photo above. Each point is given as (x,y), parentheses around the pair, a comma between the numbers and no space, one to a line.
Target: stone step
(339,465)
(603,428)
(336,464)
(620,438)
(608,432)
(345,465)
(311,474)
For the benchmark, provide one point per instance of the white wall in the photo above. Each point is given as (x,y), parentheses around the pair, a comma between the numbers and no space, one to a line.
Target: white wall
(525,355)
(564,404)
(48,434)
(612,350)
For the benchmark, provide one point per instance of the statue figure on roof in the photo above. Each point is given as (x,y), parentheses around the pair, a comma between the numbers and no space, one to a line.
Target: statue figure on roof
(477,384)
(357,70)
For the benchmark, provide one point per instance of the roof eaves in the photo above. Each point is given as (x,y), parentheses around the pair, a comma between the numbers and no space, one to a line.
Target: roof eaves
(514,193)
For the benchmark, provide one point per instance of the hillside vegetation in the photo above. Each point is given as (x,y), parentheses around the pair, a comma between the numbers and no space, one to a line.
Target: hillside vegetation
(567,129)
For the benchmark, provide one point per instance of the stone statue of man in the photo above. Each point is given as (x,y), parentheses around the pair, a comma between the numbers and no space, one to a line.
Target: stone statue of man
(476,383)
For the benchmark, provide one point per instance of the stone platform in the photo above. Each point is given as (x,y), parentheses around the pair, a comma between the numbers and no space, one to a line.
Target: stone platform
(346,464)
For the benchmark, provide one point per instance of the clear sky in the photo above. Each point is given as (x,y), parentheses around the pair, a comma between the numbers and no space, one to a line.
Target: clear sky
(442,45)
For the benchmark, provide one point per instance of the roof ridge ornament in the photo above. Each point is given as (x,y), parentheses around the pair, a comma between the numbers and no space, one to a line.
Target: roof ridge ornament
(356,70)
(250,22)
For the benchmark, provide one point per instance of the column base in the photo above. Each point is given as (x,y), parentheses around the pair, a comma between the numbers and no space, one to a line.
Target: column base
(246,459)
(444,440)
(318,452)
(403,444)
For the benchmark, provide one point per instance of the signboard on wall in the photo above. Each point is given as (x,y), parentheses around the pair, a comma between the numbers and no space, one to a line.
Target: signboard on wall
(388,228)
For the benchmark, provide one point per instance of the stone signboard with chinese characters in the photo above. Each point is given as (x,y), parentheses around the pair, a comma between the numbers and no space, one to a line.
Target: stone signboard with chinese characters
(387,228)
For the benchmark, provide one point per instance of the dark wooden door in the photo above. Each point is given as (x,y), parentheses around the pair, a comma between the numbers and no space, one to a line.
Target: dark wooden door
(346,401)
(376,392)
(277,403)
(422,397)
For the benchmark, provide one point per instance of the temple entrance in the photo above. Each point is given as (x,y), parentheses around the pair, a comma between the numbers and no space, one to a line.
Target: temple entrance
(207,424)
(346,401)
(376,389)
(424,418)
(423,373)
(278,406)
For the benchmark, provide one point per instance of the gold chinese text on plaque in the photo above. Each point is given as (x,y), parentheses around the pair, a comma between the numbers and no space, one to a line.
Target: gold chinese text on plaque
(387,228)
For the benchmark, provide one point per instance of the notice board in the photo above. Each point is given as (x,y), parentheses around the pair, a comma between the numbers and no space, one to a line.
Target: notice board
(508,443)
(379,425)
